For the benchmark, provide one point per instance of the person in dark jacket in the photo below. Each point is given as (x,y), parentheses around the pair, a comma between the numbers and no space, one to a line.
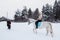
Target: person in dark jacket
(9,24)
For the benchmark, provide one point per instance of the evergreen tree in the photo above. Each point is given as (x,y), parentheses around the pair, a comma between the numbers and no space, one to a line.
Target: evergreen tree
(55,9)
(58,10)
(24,11)
(29,13)
(47,12)
(17,14)
(36,14)
(24,14)
(48,9)
(43,9)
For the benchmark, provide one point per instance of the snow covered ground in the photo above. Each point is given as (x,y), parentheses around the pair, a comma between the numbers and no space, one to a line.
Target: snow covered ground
(23,31)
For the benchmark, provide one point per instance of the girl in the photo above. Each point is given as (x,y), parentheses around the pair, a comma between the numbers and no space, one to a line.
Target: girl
(39,20)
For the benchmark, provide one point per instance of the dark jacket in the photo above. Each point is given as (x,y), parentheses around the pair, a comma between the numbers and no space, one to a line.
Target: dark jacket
(8,23)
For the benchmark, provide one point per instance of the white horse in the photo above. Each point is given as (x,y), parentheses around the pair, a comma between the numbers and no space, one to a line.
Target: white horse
(44,24)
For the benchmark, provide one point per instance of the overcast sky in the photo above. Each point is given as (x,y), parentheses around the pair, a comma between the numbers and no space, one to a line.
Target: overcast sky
(11,6)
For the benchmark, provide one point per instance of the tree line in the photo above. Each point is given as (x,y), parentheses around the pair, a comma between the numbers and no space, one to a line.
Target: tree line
(25,14)
(50,13)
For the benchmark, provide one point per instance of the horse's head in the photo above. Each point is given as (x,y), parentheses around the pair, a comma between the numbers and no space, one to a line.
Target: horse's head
(30,21)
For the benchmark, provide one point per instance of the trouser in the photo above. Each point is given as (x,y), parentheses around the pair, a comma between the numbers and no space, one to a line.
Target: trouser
(36,23)
(9,26)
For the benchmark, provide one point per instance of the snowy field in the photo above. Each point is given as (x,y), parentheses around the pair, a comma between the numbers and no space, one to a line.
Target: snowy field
(23,31)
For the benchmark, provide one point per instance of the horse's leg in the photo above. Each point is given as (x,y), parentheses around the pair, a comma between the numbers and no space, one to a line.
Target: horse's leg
(47,30)
(35,30)
(36,27)
(51,30)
